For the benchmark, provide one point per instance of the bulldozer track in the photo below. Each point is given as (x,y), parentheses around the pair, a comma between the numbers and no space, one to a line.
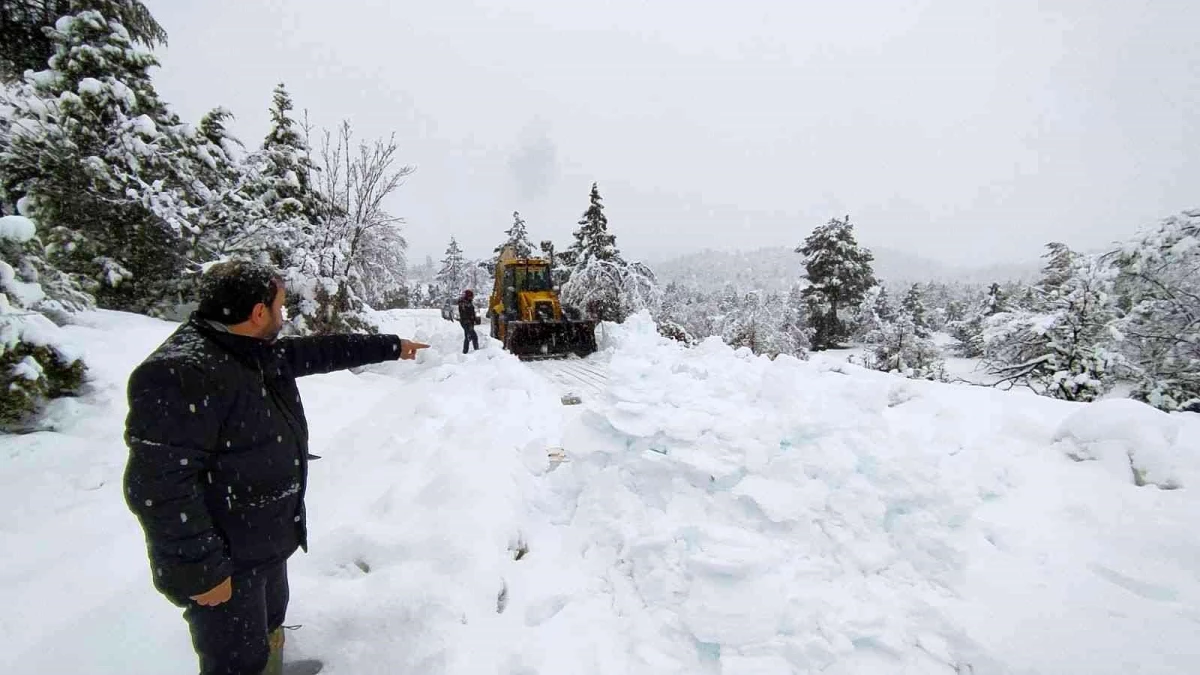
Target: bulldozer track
(573,375)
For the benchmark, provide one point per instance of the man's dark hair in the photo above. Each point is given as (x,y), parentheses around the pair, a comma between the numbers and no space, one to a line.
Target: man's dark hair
(229,291)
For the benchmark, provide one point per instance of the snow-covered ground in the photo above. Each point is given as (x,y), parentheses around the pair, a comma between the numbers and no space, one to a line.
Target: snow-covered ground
(715,513)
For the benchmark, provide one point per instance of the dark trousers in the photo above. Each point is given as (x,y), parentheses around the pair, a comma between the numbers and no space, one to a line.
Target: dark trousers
(231,638)
(469,336)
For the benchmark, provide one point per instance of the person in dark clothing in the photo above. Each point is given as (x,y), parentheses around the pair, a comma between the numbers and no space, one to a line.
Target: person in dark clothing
(468,319)
(218,461)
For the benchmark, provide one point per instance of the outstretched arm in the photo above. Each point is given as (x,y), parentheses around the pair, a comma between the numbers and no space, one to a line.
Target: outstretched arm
(172,427)
(327,353)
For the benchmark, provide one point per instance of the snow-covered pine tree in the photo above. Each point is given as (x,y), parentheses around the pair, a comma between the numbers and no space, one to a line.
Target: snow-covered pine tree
(873,312)
(230,217)
(761,323)
(795,323)
(516,237)
(593,240)
(291,207)
(1057,270)
(419,296)
(896,339)
(996,301)
(594,288)
(27,46)
(839,274)
(691,309)
(35,366)
(479,275)
(451,279)
(1065,349)
(914,305)
(104,166)
(670,317)
(898,347)
(1160,288)
(968,336)
(600,282)
(747,325)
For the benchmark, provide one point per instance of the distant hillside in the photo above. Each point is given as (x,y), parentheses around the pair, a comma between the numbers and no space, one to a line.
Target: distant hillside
(777,268)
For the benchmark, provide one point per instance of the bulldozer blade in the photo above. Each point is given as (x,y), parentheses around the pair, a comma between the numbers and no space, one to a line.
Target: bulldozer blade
(543,340)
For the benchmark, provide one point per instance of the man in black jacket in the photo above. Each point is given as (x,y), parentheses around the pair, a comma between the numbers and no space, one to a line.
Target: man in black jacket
(468,319)
(218,460)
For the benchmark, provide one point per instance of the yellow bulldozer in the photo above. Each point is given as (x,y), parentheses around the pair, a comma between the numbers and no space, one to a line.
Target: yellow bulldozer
(526,315)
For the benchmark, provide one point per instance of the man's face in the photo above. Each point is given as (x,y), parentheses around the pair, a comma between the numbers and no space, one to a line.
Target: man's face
(275,318)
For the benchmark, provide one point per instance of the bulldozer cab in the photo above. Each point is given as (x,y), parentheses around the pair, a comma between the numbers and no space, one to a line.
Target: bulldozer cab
(527,316)
(524,277)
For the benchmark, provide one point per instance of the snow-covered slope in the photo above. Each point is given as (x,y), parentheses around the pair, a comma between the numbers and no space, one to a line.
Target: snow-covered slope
(715,513)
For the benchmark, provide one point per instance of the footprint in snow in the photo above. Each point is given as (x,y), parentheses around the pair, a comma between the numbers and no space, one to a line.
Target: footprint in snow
(544,610)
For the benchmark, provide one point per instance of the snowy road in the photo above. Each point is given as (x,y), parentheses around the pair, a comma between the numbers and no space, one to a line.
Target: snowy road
(574,376)
(715,513)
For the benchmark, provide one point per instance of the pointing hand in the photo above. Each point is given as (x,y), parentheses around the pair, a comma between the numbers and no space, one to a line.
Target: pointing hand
(408,349)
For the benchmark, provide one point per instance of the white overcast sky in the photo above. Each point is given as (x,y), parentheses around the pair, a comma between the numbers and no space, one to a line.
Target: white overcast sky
(965,131)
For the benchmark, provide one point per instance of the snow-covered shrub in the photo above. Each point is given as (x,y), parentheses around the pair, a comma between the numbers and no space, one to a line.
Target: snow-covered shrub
(1064,347)
(35,363)
(897,346)
(671,329)
(1159,286)
(612,290)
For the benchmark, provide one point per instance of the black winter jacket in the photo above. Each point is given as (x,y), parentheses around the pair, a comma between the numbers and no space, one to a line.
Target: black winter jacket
(466,312)
(218,448)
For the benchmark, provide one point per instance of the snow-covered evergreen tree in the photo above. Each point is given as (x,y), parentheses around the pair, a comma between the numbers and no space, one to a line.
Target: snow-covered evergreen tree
(35,366)
(1065,348)
(896,339)
(291,206)
(598,280)
(872,313)
(839,274)
(897,346)
(105,167)
(26,45)
(516,237)
(1160,288)
(612,290)
(967,325)
(1057,270)
(452,278)
(762,323)
(968,336)
(592,239)
(231,218)
(996,301)
(672,310)
(914,306)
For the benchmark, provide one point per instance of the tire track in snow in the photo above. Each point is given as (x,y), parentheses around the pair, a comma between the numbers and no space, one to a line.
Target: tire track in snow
(568,376)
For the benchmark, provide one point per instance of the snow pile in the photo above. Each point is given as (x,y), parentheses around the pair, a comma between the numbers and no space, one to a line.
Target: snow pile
(1132,439)
(17,228)
(770,517)
(703,511)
